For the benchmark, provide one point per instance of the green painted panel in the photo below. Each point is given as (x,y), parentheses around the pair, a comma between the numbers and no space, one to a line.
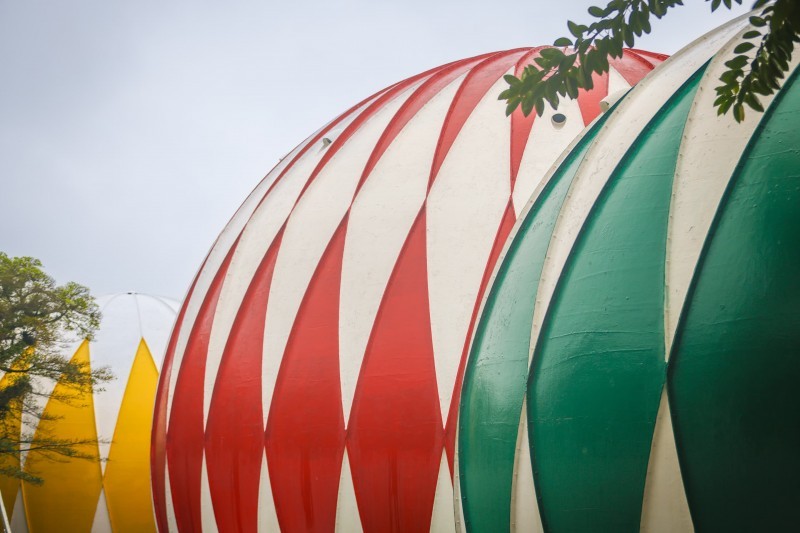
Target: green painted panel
(496,374)
(735,370)
(599,368)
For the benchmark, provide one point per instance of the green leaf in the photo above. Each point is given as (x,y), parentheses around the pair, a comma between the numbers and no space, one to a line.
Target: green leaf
(567,61)
(550,91)
(572,87)
(539,107)
(725,105)
(562,41)
(760,88)
(730,76)
(601,65)
(586,80)
(597,12)
(511,107)
(615,47)
(752,34)
(628,35)
(736,62)
(743,47)
(727,89)
(751,100)
(645,22)
(758,22)
(574,29)
(738,112)
(552,54)
(527,106)
(715,4)
(657,8)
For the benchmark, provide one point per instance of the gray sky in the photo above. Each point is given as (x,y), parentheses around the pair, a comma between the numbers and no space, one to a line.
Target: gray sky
(131,131)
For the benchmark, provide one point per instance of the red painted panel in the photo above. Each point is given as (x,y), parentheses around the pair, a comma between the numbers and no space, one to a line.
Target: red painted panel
(158,442)
(475,86)
(315,139)
(520,124)
(395,434)
(503,231)
(653,57)
(422,95)
(386,97)
(633,66)
(185,435)
(305,431)
(335,122)
(234,440)
(589,101)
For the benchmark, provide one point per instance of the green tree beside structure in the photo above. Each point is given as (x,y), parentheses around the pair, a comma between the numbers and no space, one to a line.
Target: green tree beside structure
(758,68)
(37,318)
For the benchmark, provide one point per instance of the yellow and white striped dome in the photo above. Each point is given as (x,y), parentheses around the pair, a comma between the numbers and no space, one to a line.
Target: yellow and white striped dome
(112,495)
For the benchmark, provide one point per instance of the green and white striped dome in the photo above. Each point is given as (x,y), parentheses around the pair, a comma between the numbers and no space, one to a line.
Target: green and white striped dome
(637,359)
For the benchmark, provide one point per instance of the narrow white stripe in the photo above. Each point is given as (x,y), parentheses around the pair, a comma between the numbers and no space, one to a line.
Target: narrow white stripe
(457,503)
(443,517)
(267,515)
(257,236)
(524,505)
(308,232)
(616,82)
(709,153)
(464,210)
(38,402)
(172,522)
(207,518)
(114,346)
(102,521)
(347,517)
(617,135)
(380,219)
(521,217)
(19,521)
(664,508)
(460,527)
(545,144)
(215,258)
(157,316)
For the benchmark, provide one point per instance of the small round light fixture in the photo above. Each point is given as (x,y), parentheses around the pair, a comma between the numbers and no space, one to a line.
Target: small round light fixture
(559,119)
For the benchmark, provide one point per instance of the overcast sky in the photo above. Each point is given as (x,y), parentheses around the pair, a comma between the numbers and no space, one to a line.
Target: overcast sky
(130,131)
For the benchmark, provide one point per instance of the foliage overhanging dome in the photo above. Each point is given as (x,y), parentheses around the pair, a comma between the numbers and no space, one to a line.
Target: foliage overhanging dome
(313,378)
(635,366)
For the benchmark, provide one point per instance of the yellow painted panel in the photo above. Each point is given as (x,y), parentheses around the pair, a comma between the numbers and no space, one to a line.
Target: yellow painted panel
(127,479)
(10,423)
(68,498)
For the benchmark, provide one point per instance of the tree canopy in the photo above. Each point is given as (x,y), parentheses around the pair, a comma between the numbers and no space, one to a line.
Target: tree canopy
(38,319)
(760,63)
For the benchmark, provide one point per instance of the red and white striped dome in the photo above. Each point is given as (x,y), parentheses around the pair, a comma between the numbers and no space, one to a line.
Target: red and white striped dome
(312,379)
